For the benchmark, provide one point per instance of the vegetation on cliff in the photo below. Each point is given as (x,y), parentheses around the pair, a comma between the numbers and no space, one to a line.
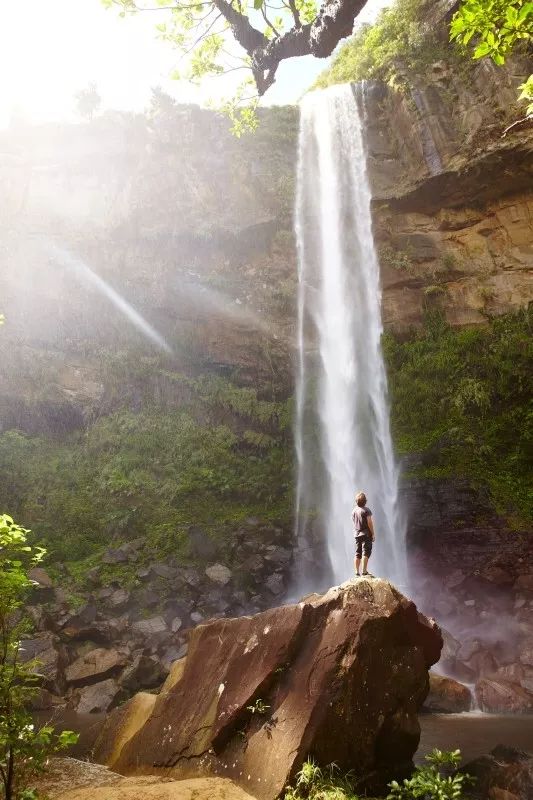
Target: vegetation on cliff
(24,748)
(461,399)
(399,42)
(221,456)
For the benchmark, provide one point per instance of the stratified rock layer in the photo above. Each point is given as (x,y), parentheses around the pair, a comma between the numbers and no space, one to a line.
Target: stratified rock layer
(339,677)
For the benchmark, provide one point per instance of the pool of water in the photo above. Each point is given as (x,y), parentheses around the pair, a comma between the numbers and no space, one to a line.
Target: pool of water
(474,733)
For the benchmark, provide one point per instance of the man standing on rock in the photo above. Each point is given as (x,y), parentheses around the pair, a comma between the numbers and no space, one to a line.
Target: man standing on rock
(363,531)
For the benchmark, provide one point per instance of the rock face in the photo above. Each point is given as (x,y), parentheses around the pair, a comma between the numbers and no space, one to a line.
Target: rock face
(69,779)
(503,696)
(505,774)
(339,676)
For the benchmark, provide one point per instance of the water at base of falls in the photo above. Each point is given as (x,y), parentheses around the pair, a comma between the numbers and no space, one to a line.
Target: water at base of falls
(342,431)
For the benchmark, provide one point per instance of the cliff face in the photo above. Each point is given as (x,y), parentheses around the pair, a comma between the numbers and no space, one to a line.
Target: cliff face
(453,206)
(172,216)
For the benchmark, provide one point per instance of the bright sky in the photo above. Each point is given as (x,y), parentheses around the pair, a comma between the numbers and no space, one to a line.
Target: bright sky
(49,49)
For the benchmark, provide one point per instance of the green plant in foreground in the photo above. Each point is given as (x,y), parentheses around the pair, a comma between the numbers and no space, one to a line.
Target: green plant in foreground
(23,747)
(316,783)
(429,783)
(258,707)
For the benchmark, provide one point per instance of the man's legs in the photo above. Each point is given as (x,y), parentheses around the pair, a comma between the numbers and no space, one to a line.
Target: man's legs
(366,552)
(358,554)
(365,564)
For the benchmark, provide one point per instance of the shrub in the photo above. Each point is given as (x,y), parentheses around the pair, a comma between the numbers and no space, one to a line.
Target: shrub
(23,747)
(431,781)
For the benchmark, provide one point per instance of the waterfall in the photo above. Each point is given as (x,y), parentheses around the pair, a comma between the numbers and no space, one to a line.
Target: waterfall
(342,432)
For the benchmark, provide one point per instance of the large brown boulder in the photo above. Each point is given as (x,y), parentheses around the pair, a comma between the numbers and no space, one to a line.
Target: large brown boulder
(340,677)
(447,696)
(502,696)
(505,774)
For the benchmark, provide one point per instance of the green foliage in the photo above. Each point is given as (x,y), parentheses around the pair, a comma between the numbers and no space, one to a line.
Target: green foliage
(494,26)
(429,781)
(88,101)
(224,455)
(23,748)
(258,707)
(397,42)
(526,93)
(315,783)
(462,398)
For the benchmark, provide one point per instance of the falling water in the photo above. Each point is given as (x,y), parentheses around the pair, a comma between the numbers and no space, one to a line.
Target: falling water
(343,439)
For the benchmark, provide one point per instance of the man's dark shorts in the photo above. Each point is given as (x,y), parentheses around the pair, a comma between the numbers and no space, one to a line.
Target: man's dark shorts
(363,545)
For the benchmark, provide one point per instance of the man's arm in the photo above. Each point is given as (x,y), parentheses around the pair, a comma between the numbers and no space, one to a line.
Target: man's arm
(371,527)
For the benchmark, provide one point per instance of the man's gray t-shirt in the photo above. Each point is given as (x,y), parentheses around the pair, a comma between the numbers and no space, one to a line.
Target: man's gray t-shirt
(360,516)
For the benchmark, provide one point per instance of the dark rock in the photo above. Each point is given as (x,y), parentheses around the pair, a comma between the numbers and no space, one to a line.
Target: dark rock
(201,545)
(147,597)
(163,570)
(98,698)
(343,676)
(275,584)
(173,654)
(49,658)
(447,696)
(505,774)
(524,583)
(144,672)
(119,556)
(497,575)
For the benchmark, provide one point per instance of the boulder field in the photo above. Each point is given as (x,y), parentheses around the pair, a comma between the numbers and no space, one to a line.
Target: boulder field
(339,677)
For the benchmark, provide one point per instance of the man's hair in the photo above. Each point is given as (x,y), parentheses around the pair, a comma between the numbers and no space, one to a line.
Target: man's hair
(360,498)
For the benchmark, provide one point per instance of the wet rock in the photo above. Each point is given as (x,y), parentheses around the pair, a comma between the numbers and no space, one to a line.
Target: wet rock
(98,698)
(307,663)
(197,618)
(505,774)
(148,627)
(447,696)
(219,574)
(95,665)
(502,696)
(176,624)
(120,726)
